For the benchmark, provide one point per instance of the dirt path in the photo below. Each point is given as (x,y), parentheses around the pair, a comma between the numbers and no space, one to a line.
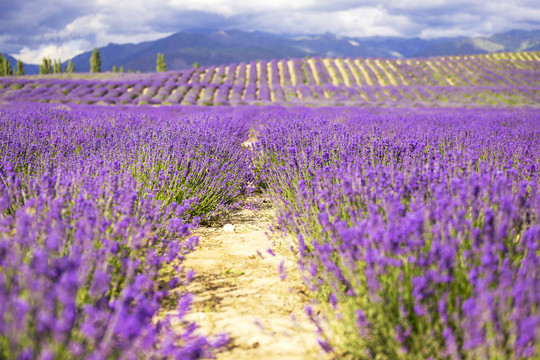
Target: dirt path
(238,290)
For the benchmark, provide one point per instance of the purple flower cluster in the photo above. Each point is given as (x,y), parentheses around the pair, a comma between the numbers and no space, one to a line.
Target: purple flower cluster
(96,205)
(418,231)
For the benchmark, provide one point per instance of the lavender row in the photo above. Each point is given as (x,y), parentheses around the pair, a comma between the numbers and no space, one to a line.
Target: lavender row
(96,206)
(192,93)
(419,232)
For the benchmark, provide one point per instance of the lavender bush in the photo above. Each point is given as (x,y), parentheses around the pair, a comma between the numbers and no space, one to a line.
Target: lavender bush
(419,232)
(95,206)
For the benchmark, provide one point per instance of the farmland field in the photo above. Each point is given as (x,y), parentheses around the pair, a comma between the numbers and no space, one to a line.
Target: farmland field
(413,207)
(505,79)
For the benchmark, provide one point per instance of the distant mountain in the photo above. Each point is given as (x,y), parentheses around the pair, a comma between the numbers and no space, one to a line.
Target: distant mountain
(514,40)
(215,47)
(182,49)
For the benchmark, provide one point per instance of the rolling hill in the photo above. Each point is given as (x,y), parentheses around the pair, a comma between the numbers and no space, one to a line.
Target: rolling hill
(501,79)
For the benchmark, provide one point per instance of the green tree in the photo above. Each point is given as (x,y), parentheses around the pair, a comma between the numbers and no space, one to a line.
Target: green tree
(115,69)
(160,63)
(5,66)
(57,67)
(121,69)
(70,68)
(19,70)
(95,61)
(45,67)
(196,65)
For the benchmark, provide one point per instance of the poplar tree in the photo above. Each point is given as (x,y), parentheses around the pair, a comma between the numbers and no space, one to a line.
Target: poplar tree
(19,70)
(115,69)
(70,68)
(121,69)
(45,67)
(160,63)
(57,67)
(5,66)
(95,61)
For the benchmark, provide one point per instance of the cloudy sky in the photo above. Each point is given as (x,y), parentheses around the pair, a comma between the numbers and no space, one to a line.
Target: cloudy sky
(32,29)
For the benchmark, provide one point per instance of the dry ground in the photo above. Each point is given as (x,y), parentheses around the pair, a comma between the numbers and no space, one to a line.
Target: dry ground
(238,290)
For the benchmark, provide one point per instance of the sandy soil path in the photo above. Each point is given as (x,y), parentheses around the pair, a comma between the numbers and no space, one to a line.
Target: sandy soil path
(238,290)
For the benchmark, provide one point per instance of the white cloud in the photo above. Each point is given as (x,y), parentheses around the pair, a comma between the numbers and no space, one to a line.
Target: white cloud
(356,22)
(63,52)
(65,27)
(236,7)
(75,35)
(85,25)
(513,11)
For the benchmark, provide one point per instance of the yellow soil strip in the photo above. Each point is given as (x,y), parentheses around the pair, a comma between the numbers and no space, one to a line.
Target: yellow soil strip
(536,56)
(269,75)
(214,76)
(437,74)
(380,80)
(229,94)
(478,69)
(494,66)
(341,69)
(281,79)
(527,56)
(354,71)
(238,291)
(311,63)
(387,73)
(236,72)
(418,97)
(248,73)
(214,96)
(258,82)
(292,73)
(464,79)
(190,79)
(298,93)
(394,68)
(331,71)
(467,76)
(364,72)
(225,78)
(452,76)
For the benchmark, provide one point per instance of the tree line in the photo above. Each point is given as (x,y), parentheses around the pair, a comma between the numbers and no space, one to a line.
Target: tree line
(6,70)
(49,66)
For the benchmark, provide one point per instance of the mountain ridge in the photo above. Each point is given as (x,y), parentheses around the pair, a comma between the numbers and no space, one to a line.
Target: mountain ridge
(215,47)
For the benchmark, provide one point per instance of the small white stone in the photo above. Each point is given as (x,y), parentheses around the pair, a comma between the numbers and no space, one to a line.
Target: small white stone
(228,228)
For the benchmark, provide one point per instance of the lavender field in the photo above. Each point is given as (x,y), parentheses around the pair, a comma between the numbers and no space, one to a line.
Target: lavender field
(503,80)
(416,227)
